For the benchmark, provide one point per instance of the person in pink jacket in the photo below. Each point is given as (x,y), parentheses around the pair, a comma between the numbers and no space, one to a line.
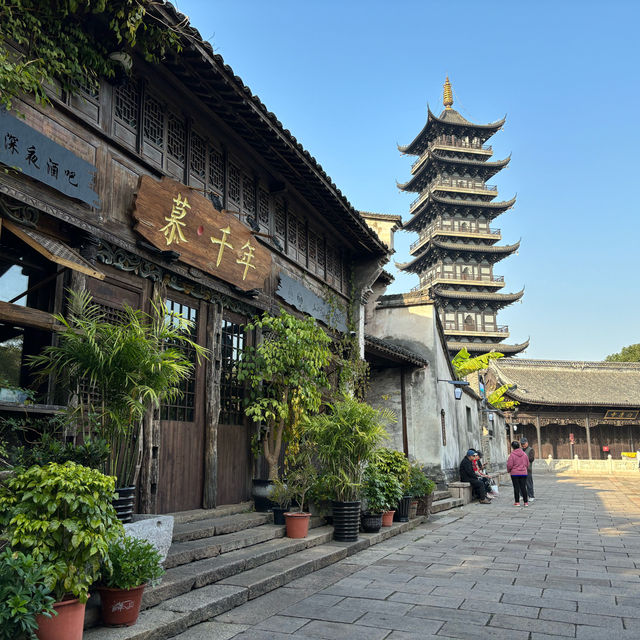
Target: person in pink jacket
(518,466)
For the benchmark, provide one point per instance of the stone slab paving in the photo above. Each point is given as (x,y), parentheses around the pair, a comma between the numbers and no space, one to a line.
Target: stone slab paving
(568,566)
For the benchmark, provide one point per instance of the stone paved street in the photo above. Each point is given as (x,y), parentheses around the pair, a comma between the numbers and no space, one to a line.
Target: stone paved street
(566,567)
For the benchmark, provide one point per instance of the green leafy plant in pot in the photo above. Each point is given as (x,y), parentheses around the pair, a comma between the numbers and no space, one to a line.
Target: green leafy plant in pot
(61,514)
(420,487)
(24,595)
(393,462)
(285,376)
(346,439)
(117,372)
(134,564)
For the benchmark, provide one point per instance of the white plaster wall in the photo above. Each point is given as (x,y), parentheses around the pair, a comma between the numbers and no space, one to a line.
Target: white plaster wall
(384,392)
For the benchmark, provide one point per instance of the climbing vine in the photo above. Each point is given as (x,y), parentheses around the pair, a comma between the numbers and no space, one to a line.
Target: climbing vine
(73,42)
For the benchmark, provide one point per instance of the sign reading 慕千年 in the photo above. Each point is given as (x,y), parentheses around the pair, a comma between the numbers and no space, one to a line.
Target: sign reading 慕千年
(617,414)
(174,217)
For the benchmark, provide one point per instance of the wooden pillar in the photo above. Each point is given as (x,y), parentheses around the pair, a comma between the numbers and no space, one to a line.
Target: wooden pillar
(539,454)
(212,386)
(403,403)
(588,432)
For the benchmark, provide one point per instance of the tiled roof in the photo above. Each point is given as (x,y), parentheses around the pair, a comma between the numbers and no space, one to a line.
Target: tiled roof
(442,292)
(561,382)
(198,55)
(389,348)
(484,347)
(382,216)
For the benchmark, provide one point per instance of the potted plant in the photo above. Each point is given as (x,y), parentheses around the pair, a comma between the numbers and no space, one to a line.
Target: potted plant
(285,375)
(24,595)
(62,515)
(346,439)
(134,563)
(118,371)
(281,497)
(420,488)
(301,475)
(374,499)
(395,463)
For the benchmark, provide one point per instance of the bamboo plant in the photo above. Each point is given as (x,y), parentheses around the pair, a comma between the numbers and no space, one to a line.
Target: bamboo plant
(117,372)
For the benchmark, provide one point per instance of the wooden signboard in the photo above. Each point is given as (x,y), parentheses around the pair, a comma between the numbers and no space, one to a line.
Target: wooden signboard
(174,217)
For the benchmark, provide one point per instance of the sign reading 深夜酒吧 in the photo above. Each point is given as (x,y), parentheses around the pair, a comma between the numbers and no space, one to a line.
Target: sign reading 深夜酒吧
(38,157)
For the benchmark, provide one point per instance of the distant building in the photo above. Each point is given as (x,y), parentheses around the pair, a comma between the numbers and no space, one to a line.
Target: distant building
(457,248)
(588,409)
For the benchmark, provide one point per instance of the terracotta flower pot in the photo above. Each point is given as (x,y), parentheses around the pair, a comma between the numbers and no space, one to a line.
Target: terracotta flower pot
(67,625)
(297,524)
(120,607)
(387,518)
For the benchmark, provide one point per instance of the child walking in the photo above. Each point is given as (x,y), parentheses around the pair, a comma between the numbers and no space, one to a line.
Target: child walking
(517,466)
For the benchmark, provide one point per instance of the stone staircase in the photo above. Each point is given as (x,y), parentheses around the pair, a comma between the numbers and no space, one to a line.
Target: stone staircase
(219,559)
(442,501)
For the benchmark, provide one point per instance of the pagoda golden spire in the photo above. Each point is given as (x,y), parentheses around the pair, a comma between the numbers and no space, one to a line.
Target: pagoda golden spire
(448,94)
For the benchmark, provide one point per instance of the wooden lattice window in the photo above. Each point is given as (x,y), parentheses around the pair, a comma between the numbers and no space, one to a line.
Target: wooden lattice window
(182,407)
(302,241)
(90,88)
(153,125)
(216,169)
(321,253)
(248,194)
(231,389)
(198,160)
(263,208)
(280,221)
(176,137)
(292,235)
(234,183)
(126,103)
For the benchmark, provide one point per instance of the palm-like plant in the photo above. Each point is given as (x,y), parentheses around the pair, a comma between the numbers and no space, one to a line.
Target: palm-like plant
(117,371)
(347,438)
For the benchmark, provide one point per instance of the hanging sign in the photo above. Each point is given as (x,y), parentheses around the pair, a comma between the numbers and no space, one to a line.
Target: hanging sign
(33,154)
(615,414)
(174,217)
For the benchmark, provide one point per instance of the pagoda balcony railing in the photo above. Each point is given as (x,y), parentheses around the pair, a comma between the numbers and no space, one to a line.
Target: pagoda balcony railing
(451,141)
(467,278)
(471,231)
(453,183)
(473,328)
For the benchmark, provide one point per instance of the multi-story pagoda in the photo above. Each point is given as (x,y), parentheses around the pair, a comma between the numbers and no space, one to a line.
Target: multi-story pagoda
(457,248)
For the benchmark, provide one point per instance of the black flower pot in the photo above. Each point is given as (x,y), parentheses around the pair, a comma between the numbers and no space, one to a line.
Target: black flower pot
(123,504)
(278,514)
(346,521)
(402,512)
(260,493)
(371,522)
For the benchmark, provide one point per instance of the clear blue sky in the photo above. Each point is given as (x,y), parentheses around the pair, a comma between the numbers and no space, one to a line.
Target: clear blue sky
(351,79)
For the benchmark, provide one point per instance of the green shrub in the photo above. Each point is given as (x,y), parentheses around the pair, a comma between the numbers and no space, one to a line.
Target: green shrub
(63,516)
(393,462)
(23,595)
(134,562)
(92,453)
(419,484)
(381,491)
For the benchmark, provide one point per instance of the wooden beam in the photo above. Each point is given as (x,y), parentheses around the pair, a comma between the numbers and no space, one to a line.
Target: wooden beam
(17,315)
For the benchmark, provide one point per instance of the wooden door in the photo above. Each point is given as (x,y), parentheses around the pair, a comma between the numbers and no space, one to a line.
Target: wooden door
(182,429)
(234,458)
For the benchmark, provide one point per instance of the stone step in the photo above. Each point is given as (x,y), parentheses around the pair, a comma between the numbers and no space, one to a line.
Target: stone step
(217,512)
(448,503)
(441,495)
(203,601)
(209,527)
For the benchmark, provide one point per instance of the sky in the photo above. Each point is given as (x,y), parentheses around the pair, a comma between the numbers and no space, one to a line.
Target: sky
(351,80)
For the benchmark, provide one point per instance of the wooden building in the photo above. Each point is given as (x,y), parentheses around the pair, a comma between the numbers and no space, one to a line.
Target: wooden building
(177,182)
(457,247)
(588,409)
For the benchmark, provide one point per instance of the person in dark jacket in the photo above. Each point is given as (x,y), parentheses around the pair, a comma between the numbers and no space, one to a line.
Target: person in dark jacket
(528,449)
(467,474)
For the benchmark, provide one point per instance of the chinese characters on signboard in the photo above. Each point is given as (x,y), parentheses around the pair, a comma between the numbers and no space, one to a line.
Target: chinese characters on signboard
(173,217)
(615,414)
(35,155)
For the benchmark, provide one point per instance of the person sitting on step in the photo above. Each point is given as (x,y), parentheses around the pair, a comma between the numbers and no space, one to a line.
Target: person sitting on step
(467,474)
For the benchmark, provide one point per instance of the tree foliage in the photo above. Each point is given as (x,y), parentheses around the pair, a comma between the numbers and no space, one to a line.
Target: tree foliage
(626,354)
(497,399)
(464,364)
(70,41)
(286,374)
